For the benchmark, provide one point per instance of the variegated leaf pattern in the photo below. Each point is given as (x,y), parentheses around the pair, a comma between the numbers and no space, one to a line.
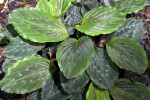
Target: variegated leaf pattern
(7,63)
(102,71)
(127,54)
(58,7)
(50,91)
(26,75)
(132,28)
(95,93)
(74,56)
(20,48)
(37,25)
(129,6)
(74,85)
(126,90)
(99,20)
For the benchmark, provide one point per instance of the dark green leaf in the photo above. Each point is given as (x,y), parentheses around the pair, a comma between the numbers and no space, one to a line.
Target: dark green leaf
(50,91)
(21,48)
(74,56)
(37,25)
(26,75)
(129,6)
(99,20)
(95,93)
(75,85)
(127,54)
(101,70)
(7,63)
(126,90)
(36,95)
(132,28)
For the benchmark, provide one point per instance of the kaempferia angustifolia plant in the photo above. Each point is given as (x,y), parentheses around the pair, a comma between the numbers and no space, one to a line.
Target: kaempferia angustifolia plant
(80,70)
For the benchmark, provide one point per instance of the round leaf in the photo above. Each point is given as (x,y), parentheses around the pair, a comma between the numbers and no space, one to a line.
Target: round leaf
(127,54)
(74,56)
(126,90)
(101,20)
(26,75)
(129,6)
(37,25)
(95,93)
(101,70)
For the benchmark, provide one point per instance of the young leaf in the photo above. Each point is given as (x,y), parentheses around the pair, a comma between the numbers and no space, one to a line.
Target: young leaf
(99,20)
(26,75)
(43,5)
(75,85)
(101,70)
(50,91)
(132,28)
(129,6)
(58,7)
(7,63)
(95,93)
(21,48)
(37,25)
(127,54)
(74,56)
(126,90)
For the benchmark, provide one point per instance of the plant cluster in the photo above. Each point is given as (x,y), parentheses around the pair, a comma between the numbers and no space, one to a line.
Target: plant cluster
(75,67)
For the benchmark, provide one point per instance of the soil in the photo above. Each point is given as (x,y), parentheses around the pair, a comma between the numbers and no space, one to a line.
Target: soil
(144,14)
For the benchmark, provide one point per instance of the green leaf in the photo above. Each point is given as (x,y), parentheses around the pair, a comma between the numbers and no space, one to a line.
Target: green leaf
(127,54)
(44,5)
(132,28)
(36,95)
(26,75)
(9,32)
(129,6)
(74,56)
(58,7)
(7,63)
(50,91)
(76,97)
(99,20)
(126,90)
(37,25)
(74,85)
(21,48)
(101,70)
(95,93)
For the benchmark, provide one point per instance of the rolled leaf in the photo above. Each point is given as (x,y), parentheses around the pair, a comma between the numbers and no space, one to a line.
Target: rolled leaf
(132,28)
(20,48)
(102,71)
(126,90)
(101,20)
(37,25)
(95,93)
(129,6)
(74,56)
(127,54)
(26,75)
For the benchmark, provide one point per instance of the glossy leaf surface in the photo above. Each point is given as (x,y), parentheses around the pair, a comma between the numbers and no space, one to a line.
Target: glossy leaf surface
(126,90)
(37,25)
(129,6)
(74,56)
(132,28)
(95,93)
(99,20)
(127,54)
(102,71)
(20,48)
(74,85)
(44,5)
(26,75)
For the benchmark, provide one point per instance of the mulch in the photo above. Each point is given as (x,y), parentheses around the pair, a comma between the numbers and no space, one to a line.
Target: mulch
(144,14)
